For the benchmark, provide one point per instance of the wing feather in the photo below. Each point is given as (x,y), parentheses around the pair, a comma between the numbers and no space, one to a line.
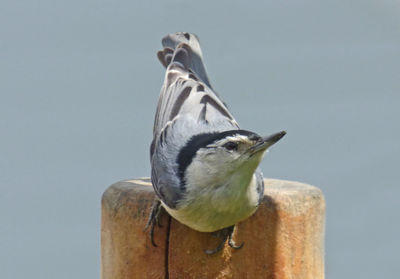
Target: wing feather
(186,95)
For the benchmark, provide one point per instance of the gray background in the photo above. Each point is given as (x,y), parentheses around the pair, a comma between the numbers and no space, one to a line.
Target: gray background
(79,81)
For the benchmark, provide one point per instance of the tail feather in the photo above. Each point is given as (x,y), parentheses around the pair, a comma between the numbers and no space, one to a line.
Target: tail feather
(165,56)
(190,42)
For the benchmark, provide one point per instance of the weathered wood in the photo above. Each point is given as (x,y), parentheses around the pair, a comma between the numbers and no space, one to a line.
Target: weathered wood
(126,250)
(283,239)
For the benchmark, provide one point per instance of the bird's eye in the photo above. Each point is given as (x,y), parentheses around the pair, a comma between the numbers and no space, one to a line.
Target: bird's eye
(230,145)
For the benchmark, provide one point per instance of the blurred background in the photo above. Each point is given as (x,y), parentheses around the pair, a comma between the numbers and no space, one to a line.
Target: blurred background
(79,82)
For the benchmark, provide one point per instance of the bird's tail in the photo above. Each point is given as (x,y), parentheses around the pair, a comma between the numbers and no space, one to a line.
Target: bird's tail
(173,42)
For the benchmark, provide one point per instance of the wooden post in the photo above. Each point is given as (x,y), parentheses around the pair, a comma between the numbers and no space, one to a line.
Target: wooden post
(283,239)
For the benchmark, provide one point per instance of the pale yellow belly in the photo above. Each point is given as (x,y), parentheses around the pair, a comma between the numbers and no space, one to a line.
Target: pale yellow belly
(209,212)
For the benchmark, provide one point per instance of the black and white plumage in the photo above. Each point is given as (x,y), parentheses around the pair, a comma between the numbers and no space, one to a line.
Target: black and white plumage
(204,167)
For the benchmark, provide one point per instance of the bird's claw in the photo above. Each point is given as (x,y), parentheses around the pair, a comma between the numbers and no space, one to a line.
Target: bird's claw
(154,218)
(224,234)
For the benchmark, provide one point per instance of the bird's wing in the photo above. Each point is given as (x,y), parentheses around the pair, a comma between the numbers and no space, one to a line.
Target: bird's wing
(187,106)
(186,88)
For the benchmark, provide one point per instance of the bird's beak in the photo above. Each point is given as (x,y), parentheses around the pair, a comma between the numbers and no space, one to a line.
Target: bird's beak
(265,142)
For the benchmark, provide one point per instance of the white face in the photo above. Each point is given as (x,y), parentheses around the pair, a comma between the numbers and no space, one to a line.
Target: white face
(220,160)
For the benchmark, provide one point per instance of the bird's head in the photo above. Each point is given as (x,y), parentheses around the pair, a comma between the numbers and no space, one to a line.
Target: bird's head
(212,158)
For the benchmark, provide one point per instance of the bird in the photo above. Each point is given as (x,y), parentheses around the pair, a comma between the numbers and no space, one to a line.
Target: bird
(204,167)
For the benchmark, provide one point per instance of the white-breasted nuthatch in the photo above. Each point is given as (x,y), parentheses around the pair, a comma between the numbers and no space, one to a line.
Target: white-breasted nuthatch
(204,169)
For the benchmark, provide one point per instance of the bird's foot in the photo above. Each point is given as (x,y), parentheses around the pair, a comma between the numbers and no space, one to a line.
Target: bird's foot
(224,234)
(154,218)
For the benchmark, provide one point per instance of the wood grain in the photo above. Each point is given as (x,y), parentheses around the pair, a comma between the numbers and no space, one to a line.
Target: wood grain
(283,239)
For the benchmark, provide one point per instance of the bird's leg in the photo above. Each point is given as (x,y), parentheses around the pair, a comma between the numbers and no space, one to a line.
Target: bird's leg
(230,240)
(224,234)
(154,218)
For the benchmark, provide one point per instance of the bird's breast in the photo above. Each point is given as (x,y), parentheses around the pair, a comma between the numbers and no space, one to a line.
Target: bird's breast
(212,208)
